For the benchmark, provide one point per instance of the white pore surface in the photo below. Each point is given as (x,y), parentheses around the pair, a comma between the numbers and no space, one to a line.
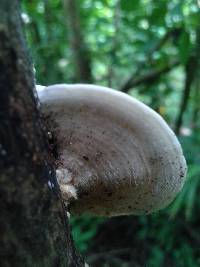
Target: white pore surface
(122,156)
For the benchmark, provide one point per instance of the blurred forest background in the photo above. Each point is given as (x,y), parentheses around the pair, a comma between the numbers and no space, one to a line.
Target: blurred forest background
(150,50)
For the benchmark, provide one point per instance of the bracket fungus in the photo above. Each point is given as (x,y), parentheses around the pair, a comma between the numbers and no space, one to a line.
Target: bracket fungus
(116,154)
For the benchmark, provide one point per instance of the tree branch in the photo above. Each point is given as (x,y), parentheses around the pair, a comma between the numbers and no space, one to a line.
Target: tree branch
(129,83)
(149,76)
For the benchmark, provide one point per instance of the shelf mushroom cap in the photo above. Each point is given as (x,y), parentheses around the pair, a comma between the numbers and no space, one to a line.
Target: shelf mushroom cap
(119,154)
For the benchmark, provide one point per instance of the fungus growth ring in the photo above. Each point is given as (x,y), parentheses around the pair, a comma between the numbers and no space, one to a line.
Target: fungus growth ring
(119,155)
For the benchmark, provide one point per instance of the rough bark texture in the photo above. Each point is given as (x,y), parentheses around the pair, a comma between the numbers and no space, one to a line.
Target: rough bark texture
(33,224)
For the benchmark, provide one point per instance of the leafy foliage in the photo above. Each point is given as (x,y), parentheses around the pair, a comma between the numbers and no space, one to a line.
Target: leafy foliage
(84,228)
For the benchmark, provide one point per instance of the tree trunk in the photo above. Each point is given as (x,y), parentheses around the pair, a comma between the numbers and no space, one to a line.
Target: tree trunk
(33,223)
(80,53)
(115,44)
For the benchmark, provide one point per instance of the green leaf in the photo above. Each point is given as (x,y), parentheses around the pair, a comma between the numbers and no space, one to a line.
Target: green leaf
(184,46)
(130,6)
(158,13)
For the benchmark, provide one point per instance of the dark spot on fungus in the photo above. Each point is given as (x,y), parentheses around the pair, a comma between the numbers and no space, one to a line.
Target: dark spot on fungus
(85,158)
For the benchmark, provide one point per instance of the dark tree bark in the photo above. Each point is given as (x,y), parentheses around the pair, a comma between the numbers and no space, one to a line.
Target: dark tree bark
(33,223)
(81,56)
